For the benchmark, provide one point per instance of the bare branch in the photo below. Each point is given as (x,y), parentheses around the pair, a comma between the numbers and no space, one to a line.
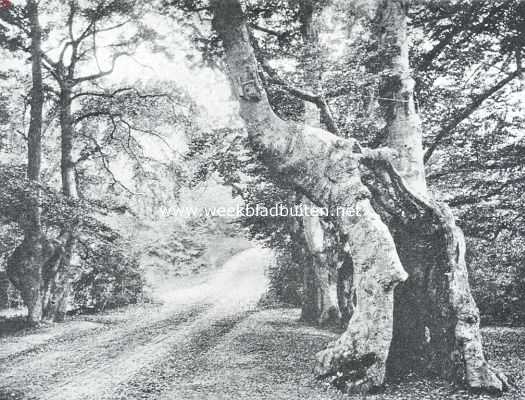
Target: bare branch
(149,132)
(101,74)
(269,31)
(70,19)
(48,60)
(467,112)
(93,114)
(102,94)
(105,163)
(121,90)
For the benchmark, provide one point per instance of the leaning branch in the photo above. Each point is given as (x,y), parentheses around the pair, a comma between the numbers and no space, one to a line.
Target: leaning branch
(268,31)
(101,74)
(467,112)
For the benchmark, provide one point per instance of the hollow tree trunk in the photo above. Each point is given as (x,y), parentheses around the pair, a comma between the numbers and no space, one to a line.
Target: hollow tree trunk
(436,318)
(325,169)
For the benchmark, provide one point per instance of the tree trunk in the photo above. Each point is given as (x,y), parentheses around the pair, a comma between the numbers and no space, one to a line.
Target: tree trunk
(25,266)
(436,317)
(325,169)
(320,301)
(59,286)
(320,304)
(34,265)
(60,290)
(345,289)
(67,166)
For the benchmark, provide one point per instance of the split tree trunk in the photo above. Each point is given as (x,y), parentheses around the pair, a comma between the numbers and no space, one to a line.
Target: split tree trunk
(436,317)
(325,169)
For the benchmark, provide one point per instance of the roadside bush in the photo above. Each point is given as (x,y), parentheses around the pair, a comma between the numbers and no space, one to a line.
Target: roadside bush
(286,282)
(108,278)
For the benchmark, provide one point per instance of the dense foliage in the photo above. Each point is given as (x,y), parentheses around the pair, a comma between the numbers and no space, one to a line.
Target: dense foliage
(467,63)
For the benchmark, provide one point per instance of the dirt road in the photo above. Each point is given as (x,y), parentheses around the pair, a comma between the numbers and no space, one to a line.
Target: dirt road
(205,343)
(139,353)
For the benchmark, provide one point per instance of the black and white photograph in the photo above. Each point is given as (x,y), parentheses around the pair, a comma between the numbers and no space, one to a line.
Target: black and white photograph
(262,199)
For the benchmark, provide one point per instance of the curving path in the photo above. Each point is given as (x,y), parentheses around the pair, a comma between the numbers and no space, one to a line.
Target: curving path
(139,353)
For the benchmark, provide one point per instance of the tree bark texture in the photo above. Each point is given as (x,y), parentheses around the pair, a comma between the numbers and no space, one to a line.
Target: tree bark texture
(320,300)
(436,318)
(61,284)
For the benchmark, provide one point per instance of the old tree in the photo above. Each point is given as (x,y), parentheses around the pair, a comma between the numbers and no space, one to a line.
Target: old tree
(67,90)
(413,306)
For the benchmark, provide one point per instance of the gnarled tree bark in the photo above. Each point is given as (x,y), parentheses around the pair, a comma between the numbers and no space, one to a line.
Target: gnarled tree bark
(325,169)
(436,317)
(61,284)
(394,218)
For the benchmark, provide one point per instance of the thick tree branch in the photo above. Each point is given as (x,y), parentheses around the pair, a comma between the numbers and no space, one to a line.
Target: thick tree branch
(318,99)
(93,114)
(122,90)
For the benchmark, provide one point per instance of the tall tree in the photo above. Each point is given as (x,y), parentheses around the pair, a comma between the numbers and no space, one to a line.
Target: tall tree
(34,262)
(82,25)
(418,233)
(85,24)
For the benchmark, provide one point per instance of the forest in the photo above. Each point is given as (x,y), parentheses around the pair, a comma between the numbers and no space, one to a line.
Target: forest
(262,199)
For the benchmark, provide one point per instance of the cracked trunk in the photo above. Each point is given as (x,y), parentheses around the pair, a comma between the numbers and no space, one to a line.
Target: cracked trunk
(393,219)
(436,319)
(324,168)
